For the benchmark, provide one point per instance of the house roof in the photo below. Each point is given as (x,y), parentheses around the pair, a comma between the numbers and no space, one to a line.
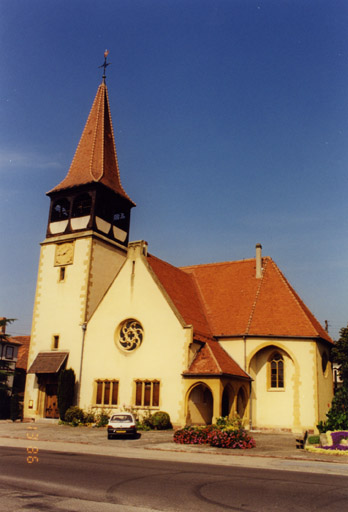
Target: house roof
(48,362)
(227,300)
(211,359)
(23,351)
(95,158)
(8,340)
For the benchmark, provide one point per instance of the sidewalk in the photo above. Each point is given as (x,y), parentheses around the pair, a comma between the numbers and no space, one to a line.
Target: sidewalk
(273,450)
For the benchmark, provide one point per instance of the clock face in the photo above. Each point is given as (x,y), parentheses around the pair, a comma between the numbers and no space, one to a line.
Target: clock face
(64,254)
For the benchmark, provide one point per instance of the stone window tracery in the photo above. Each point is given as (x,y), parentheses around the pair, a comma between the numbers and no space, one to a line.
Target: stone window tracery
(277,371)
(131,335)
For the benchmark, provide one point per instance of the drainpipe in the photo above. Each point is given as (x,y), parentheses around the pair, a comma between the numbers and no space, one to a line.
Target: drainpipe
(250,408)
(83,327)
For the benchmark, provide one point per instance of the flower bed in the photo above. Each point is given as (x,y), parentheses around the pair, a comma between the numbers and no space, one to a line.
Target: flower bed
(220,437)
(337,443)
(337,440)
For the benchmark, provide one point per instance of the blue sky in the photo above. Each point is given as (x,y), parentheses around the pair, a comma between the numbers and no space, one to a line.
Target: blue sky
(231,126)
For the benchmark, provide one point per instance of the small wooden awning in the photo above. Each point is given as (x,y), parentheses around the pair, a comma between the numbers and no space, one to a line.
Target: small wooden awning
(48,362)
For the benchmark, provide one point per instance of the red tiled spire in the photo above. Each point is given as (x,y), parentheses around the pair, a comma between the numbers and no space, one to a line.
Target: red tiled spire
(95,158)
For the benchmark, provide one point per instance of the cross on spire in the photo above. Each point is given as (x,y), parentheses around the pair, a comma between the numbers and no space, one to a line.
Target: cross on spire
(105,65)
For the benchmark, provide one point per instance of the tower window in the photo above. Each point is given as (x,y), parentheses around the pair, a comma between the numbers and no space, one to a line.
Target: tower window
(60,210)
(120,220)
(61,274)
(82,205)
(276,366)
(55,342)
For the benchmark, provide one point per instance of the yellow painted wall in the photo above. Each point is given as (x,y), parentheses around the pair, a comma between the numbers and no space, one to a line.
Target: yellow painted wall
(60,306)
(162,355)
(105,263)
(297,406)
(325,381)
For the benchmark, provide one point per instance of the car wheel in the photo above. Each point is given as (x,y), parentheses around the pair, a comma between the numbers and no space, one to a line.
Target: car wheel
(109,436)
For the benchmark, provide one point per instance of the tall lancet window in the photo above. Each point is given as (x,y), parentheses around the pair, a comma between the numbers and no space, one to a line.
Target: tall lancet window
(276,366)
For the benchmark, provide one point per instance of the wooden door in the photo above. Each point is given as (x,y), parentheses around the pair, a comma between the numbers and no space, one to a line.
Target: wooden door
(51,404)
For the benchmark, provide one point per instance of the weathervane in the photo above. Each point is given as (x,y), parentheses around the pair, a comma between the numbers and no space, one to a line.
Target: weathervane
(105,65)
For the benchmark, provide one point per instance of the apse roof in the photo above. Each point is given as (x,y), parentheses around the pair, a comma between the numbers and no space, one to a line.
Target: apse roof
(227,300)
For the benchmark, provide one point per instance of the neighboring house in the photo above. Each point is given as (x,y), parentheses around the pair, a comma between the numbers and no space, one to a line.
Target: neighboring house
(21,365)
(198,342)
(8,356)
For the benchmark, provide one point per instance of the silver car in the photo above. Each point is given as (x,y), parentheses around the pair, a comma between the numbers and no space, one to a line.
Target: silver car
(122,423)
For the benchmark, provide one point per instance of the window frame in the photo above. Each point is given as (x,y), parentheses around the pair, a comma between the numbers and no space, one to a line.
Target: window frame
(55,341)
(9,348)
(276,359)
(147,393)
(106,388)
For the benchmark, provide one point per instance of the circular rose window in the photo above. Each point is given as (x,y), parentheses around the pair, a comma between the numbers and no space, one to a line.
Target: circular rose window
(131,335)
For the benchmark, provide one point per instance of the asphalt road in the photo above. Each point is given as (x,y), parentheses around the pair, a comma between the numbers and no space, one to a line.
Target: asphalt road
(63,481)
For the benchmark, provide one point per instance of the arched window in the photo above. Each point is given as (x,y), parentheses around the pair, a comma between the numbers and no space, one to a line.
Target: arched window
(60,210)
(82,205)
(277,371)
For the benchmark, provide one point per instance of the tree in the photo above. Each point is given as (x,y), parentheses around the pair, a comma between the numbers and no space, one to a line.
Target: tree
(337,417)
(66,391)
(340,355)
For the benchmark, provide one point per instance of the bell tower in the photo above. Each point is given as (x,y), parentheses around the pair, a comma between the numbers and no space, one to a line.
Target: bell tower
(85,246)
(91,196)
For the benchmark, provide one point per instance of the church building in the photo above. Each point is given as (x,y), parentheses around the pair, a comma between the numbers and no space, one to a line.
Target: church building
(198,342)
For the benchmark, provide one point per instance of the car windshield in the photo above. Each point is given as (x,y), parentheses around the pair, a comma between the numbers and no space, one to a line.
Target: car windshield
(122,417)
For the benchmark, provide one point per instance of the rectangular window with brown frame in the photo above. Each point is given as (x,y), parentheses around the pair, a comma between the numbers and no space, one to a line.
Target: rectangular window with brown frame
(55,342)
(62,274)
(147,393)
(106,392)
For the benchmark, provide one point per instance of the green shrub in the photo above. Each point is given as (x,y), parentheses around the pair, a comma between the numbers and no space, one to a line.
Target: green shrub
(337,417)
(66,390)
(161,421)
(16,408)
(89,417)
(5,404)
(313,439)
(142,426)
(102,419)
(234,423)
(74,415)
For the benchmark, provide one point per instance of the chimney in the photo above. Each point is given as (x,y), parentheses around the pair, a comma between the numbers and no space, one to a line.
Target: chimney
(258,261)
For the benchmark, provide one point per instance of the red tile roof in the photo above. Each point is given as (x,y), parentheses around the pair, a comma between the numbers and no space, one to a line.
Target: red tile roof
(211,359)
(95,159)
(23,351)
(226,299)
(183,292)
(239,304)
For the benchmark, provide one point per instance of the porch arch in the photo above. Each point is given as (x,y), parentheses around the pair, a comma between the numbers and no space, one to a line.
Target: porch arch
(242,401)
(228,401)
(200,405)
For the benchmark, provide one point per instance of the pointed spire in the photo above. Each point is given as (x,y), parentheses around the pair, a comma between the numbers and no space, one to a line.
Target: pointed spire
(95,158)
